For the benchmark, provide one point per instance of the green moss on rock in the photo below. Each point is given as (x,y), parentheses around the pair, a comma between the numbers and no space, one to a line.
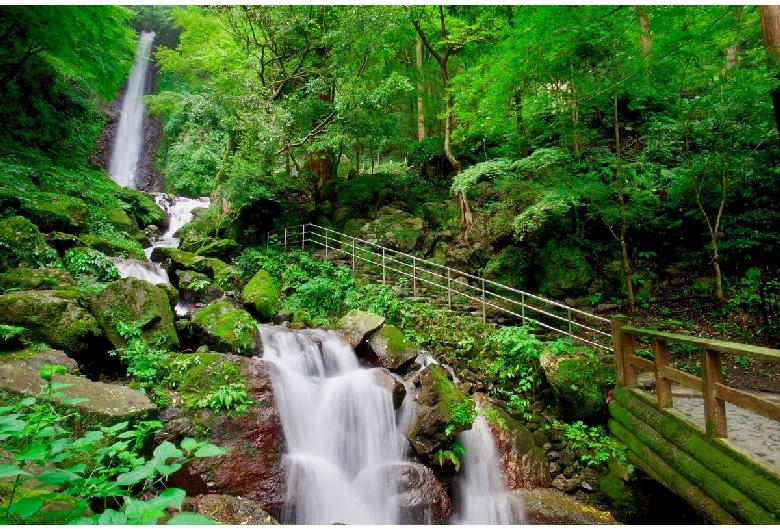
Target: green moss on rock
(124,247)
(25,279)
(204,373)
(262,295)
(226,328)
(509,267)
(389,348)
(21,244)
(565,270)
(120,220)
(53,211)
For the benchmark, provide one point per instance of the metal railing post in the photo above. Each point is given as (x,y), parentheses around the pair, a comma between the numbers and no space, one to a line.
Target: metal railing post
(568,317)
(522,306)
(414,277)
(353,254)
(383,265)
(285,240)
(449,292)
(303,238)
(326,243)
(483,301)
(267,239)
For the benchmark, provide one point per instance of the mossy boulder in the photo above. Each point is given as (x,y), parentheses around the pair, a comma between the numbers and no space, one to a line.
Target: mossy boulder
(104,404)
(356,326)
(120,220)
(172,293)
(35,357)
(509,267)
(226,328)
(142,206)
(123,247)
(21,244)
(54,212)
(56,318)
(139,304)
(25,279)
(178,260)
(444,215)
(262,296)
(565,270)
(395,229)
(61,242)
(223,249)
(202,374)
(580,381)
(388,348)
(443,411)
(197,288)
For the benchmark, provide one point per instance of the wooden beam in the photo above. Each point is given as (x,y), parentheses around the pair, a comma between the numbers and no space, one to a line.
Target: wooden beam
(686,380)
(714,408)
(748,401)
(663,387)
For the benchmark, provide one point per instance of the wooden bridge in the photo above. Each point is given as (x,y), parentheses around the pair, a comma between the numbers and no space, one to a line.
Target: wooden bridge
(718,477)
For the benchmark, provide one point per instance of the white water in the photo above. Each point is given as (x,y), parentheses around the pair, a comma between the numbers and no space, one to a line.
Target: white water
(340,429)
(480,494)
(129,135)
(179,211)
(143,270)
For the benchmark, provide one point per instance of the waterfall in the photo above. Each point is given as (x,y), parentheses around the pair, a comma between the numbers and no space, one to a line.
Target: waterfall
(480,494)
(129,135)
(340,428)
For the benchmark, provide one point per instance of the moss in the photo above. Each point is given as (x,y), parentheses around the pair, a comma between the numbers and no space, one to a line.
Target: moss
(263,296)
(455,406)
(120,220)
(54,211)
(124,247)
(141,206)
(25,279)
(226,327)
(509,267)
(22,245)
(204,373)
(580,381)
(565,270)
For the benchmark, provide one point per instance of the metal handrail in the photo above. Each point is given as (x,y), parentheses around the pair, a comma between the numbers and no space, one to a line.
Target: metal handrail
(357,248)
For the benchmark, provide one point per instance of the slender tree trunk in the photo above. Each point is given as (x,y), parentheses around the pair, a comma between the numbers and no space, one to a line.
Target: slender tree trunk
(732,52)
(420,90)
(621,200)
(770,27)
(644,31)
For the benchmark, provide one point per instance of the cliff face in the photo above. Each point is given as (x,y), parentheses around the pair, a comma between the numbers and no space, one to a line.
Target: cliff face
(149,178)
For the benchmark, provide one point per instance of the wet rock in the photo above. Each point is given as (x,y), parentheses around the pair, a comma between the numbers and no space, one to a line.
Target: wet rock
(566,485)
(356,326)
(551,507)
(389,348)
(25,279)
(228,509)
(540,437)
(225,328)
(566,457)
(421,498)
(21,243)
(396,387)
(262,296)
(284,316)
(33,359)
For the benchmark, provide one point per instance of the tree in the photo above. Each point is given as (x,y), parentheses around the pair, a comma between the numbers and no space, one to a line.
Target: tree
(770,27)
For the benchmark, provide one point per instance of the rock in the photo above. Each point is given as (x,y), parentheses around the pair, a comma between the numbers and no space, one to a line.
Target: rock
(421,498)
(34,359)
(230,510)
(56,318)
(580,382)
(283,316)
(341,215)
(21,244)
(152,231)
(54,212)
(386,380)
(508,267)
(442,412)
(262,296)
(120,220)
(222,249)
(254,466)
(566,457)
(389,348)
(444,215)
(522,463)
(61,242)
(105,405)
(566,485)
(551,507)
(565,271)
(142,206)
(356,326)
(172,293)
(25,279)
(177,260)
(226,328)
(121,247)
(196,287)
(136,303)
(540,437)
(395,229)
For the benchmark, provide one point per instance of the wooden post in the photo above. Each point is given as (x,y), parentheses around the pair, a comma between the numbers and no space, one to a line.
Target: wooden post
(714,409)
(663,387)
(618,321)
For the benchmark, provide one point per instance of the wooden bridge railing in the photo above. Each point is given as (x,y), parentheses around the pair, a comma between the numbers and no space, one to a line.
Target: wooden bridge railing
(710,384)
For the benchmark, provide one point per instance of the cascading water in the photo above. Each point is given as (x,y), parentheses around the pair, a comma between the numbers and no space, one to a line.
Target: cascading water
(129,136)
(340,428)
(480,494)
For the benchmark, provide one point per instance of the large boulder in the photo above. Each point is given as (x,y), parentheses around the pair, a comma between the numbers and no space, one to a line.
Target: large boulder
(522,463)
(35,358)
(421,498)
(581,381)
(565,270)
(198,288)
(120,220)
(254,465)
(395,386)
(443,215)
(229,509)
(54,212)
(21,244)
(178,260)
(223,249)
(123,247)
(139,304)
(26,279)
(356,326)
(509,268)
(443,411)
(262,296)
(103,405)
(388,348)
(54,317)
(226,328)
(395,229)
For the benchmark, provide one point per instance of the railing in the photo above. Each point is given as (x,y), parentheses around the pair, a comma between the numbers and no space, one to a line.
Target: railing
(710,384)
(475,291)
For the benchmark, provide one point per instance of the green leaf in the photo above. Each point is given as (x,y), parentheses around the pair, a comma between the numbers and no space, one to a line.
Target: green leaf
(113,429)
(166,469)
(188,444)
(136,475)
(112,517)
(10,470)
(73,401)
(170,497)
(209,450)
(48,370)
(82,521)
(35,452)
(167,450)
(25,507)
(56,477)
(189,518)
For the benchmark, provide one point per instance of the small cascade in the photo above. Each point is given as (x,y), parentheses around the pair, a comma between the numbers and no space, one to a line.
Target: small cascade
(179,210)
(129,136)
(340,428)
(143,270)
(480,495)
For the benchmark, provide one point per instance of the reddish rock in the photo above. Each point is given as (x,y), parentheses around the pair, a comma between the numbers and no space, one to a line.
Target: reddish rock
(421,498)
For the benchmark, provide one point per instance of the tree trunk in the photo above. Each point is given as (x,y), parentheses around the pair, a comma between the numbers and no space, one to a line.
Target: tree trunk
(644,30)
(770,27)
(732,52)
(621,200)
(420,90)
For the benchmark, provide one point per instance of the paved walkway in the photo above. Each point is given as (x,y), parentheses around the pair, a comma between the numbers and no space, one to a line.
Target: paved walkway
(754,434)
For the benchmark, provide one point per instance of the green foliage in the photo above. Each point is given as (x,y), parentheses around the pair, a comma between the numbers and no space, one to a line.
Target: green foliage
(91,471)
(8,332)
(595,446)
(90,264)
(451,454)
(150,369)
(233,397)
(471,176)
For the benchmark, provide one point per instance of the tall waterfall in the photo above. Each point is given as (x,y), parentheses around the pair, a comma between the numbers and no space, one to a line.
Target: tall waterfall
(129,135)
(340,428)
(480,494)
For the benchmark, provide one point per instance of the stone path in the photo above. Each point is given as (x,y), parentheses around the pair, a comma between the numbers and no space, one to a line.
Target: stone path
(754,434)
